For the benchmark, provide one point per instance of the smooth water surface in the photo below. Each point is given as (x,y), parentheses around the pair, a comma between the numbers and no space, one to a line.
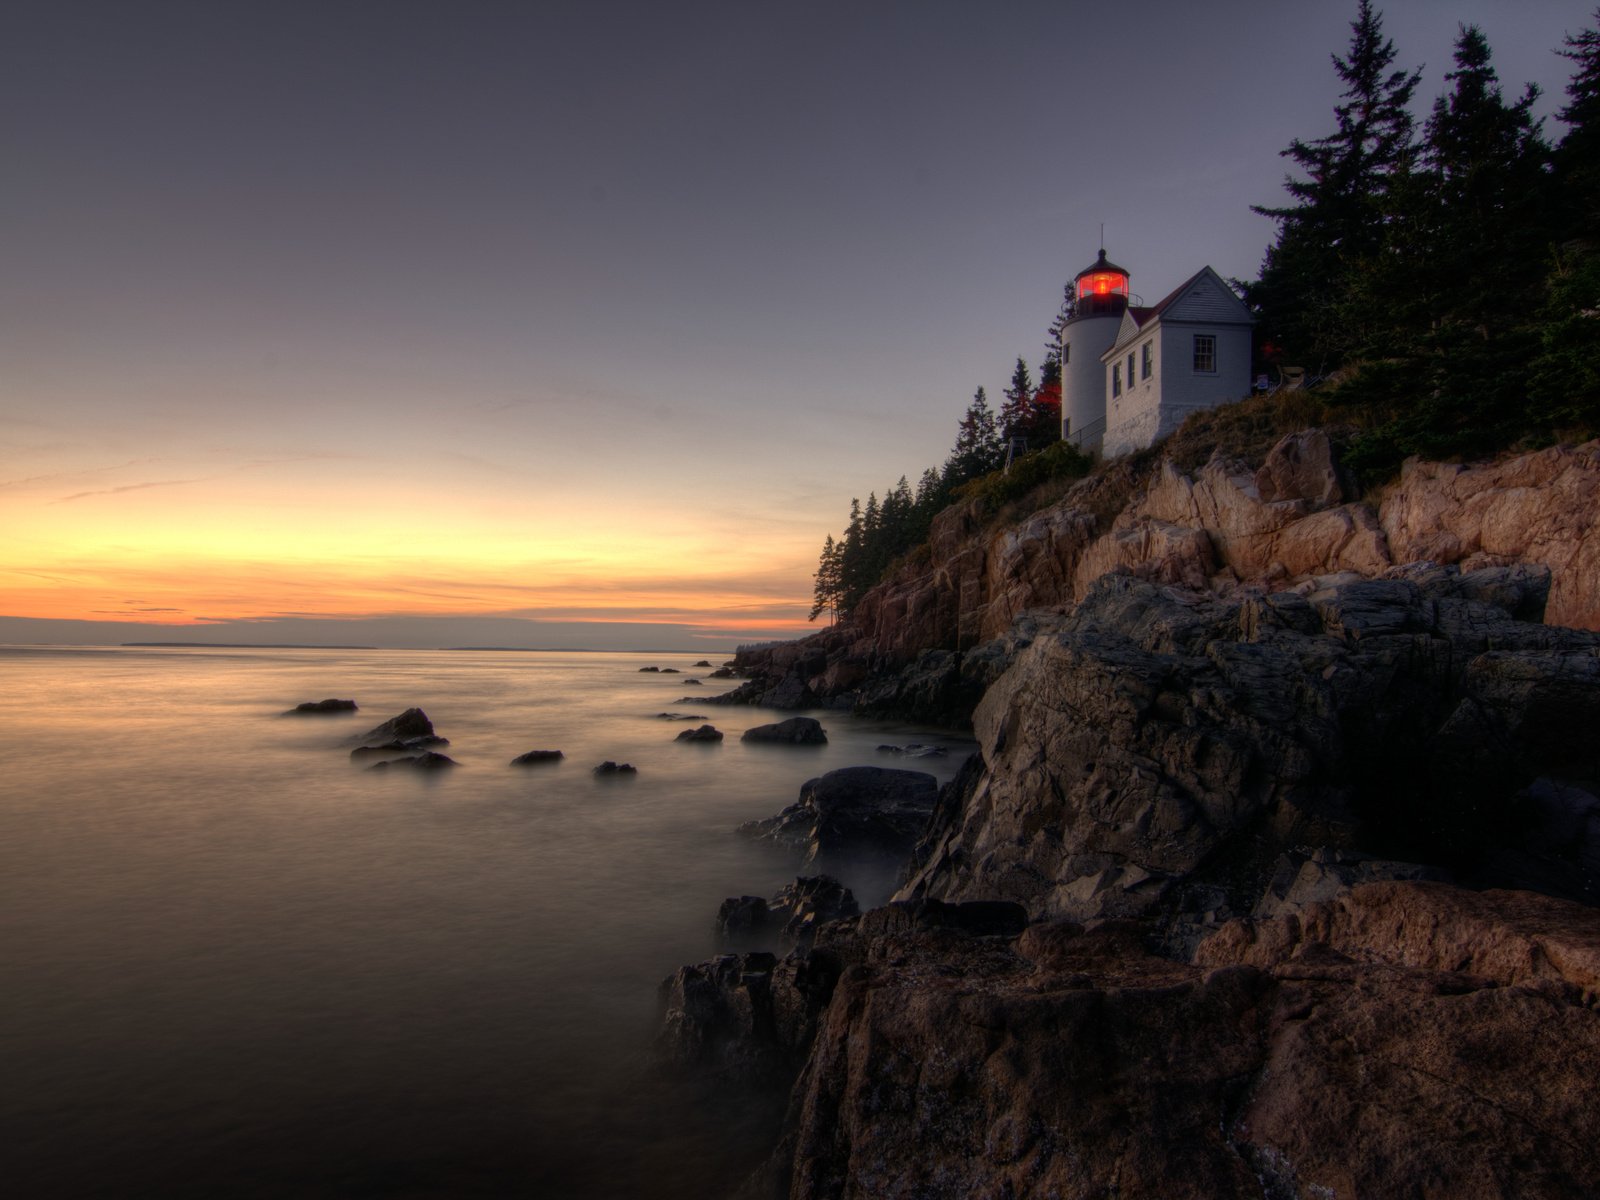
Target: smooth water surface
(236,963)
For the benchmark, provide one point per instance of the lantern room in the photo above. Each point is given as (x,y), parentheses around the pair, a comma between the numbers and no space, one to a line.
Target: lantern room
(1102,290)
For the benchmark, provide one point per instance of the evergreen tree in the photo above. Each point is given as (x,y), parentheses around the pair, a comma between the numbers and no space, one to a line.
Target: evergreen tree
(1045,426)
(852,560)
(1487,165)
(1577,158)
(896,517)
(873,557)
(825,597)
(1565,384)
(1069,308)
(1016,414)
(978,449)
(1343,203)
(931,497)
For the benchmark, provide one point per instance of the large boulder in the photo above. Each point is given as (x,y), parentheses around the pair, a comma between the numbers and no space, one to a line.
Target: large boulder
(1165,748)
(855,812)
(1535,509)
(705,733)
(796,731)
(411,727)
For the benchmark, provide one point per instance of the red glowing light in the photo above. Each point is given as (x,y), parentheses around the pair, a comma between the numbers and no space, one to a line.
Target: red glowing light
(1103,283)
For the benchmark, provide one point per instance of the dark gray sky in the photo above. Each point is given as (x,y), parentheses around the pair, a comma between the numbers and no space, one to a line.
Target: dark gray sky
(653,284)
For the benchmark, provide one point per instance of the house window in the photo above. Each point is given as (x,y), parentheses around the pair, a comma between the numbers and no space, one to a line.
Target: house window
(1144,361)
(1130,368)
(1116,380)
(1205,354)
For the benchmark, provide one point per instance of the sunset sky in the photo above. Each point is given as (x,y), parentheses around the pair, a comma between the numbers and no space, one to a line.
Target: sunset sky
(578,324)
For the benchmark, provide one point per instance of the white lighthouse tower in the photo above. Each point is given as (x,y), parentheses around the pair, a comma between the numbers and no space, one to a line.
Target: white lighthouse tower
(1101,299)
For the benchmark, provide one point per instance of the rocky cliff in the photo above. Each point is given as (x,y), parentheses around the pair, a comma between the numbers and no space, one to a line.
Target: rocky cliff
(1274,875)
(936,633)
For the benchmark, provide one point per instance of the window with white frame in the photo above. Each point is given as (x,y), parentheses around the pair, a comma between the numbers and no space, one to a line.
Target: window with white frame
(1205,354)
(1145,356)
(1130,368)
(1116,380)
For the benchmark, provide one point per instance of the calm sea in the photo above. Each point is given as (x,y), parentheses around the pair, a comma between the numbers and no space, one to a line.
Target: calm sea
(235,964)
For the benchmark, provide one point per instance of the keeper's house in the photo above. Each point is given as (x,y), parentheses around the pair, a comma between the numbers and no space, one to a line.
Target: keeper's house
(1136,378)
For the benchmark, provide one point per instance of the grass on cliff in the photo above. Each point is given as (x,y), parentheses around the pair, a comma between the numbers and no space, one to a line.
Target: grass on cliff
(1247,430)
(1362,426)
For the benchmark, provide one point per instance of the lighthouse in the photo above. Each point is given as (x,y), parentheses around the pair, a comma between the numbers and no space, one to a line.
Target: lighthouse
(1100,300)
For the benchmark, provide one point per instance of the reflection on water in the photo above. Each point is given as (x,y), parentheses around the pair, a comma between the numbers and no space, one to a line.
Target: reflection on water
(235,964)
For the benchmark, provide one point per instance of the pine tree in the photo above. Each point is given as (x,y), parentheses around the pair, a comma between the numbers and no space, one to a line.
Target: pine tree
(931,496)
(852,560)
(1344,202)
(978,449)
(825,596)
(1565,379)
(1016,414)
(895,518)
(1577,158)
(1069,307)
(1487,164)
(1045,426)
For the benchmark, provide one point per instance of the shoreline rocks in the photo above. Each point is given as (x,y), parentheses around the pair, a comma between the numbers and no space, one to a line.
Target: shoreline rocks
(534,758)
(1198,918)
(853,812)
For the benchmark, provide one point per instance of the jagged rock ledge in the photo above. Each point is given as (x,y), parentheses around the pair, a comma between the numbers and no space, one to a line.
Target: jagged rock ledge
(931,638)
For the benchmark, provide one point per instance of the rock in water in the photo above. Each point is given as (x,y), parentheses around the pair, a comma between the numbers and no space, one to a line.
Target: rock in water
(314,707)
(427,761)
(409,725)
(742,916)
(854,812)
(798,731)
(534,757)
(609,768)
(706,733)
(399,747)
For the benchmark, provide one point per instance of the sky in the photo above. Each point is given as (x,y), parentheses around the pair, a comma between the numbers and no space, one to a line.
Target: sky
(546,324)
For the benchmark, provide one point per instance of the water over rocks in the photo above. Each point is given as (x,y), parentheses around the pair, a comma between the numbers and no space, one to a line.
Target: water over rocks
(854,812)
